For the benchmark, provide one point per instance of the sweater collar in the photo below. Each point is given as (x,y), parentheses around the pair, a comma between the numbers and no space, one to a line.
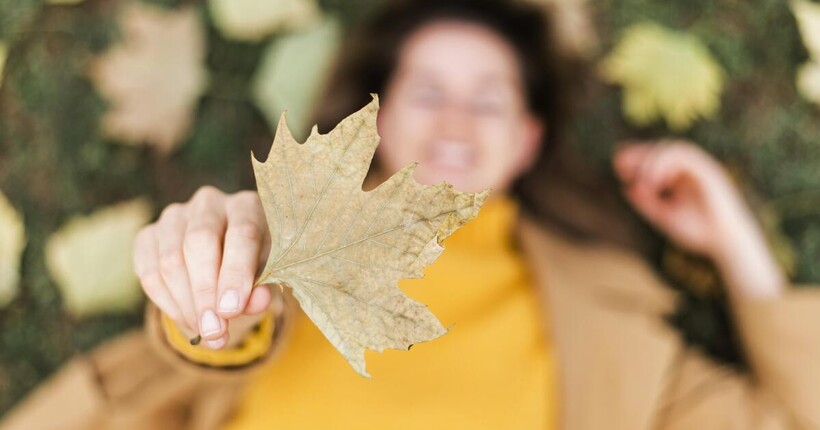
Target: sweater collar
(493,228)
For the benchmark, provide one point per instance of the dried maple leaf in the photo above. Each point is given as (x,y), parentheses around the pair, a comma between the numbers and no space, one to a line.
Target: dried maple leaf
(154,78)
(342,250)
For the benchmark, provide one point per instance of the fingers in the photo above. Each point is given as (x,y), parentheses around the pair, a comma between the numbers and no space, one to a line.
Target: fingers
(666,165)
(664,175)
(628,160)
(146,258)
(170,229)
(655,167)
(202,256)
(218,343)
(244,237)
(656,163)
(650,172)
(202,250)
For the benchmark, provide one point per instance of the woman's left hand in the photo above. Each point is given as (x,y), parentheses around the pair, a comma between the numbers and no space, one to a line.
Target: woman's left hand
(687,195)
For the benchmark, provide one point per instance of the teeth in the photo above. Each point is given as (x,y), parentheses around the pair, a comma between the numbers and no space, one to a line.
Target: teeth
(452,155)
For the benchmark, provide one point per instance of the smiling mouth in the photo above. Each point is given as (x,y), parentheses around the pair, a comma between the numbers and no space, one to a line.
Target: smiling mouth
(451,155)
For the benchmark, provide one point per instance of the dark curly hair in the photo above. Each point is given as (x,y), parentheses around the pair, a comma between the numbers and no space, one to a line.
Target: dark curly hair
(558,189)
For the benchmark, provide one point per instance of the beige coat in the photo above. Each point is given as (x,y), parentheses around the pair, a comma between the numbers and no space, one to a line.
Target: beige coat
(622,367)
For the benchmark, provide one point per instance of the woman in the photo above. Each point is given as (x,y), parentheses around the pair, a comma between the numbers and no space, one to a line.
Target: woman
(548,330)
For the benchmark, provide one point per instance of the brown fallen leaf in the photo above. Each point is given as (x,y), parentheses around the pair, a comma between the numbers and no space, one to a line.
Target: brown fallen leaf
(342,250)
(154,77)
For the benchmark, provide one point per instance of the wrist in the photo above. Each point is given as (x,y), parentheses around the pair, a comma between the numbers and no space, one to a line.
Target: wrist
(745,261)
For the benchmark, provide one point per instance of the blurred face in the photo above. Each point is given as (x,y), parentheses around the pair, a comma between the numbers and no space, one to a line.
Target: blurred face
(456,104)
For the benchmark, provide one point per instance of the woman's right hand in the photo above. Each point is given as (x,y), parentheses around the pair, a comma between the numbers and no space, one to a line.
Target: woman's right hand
(199,260)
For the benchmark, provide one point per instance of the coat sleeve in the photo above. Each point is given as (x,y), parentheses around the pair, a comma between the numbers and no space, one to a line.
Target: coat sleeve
(121,384)
(141,381)
(781,389)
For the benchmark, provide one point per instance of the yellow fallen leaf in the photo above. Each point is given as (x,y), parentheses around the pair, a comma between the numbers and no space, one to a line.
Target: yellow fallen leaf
(12,243)
(342,250)
(154,78)
(252,20)
(664,73)
(291,72)
(90,258)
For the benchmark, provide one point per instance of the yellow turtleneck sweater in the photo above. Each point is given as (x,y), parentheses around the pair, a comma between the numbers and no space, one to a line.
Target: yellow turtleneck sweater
(492,370)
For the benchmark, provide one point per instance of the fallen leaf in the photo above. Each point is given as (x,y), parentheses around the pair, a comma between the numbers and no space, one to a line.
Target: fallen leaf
(664,73)
(808,81)
(290,74)
(253,20)
(90,258)
(154,78)
(342,250)
(12,243)
(807,15)
(808,75)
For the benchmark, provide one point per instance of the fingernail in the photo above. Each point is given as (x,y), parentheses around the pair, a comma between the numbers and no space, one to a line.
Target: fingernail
(229,301)
(209,323)
(216,344)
